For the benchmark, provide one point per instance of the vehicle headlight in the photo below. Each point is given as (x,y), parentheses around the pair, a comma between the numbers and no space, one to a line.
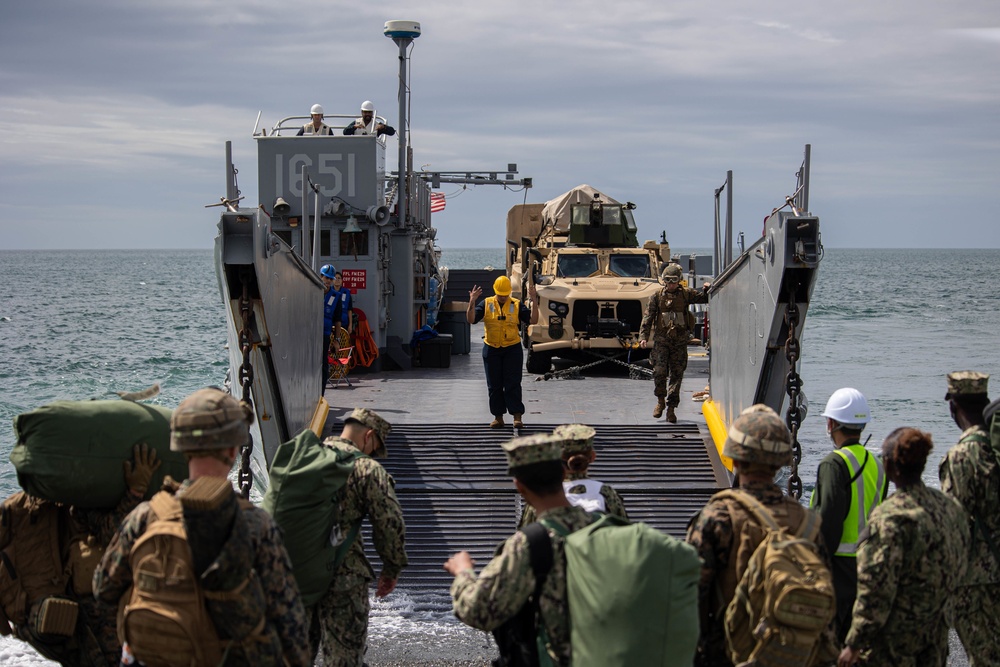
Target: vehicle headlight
(560,309)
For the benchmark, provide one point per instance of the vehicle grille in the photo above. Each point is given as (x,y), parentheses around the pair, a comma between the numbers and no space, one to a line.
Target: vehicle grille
(628,311)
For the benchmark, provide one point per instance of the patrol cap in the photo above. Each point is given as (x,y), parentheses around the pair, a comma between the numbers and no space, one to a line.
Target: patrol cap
(501,286)
(209,419)
(531,449)
(371,419)
(759,435)
(576,438)
(966,383)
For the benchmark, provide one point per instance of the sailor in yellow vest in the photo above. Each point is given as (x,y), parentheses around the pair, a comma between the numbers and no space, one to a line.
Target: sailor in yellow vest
(316,126)
(850,483)
(503,357)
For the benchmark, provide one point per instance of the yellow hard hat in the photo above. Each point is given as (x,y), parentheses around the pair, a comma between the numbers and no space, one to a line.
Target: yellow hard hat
(501,286)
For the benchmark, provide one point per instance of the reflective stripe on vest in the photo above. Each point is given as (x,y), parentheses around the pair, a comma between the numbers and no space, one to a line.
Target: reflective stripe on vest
(501,332)
(868,492)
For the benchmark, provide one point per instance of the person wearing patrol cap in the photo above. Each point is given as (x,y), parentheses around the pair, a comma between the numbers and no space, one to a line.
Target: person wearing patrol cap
(668,310)
(503,588)
(209,427)
(369,491)
(581,491)
(850,483)
(368,124)
(759,444)
(503,356)
(315,127)
(970,473)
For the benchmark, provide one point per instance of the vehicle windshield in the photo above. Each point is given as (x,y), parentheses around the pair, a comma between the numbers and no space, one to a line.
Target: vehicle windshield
(577,266)
(630,266)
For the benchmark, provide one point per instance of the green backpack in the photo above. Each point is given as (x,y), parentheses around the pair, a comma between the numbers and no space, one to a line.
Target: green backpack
(633,595)
(305,477)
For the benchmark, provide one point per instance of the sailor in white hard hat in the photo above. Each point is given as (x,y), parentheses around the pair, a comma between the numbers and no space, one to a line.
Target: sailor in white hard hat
(850,482)
(368,123)
(316,126)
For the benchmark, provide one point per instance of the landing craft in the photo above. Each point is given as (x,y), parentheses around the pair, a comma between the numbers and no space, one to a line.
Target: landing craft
(329,199)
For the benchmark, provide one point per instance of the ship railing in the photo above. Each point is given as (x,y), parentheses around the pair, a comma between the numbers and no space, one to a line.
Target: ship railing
(290,125)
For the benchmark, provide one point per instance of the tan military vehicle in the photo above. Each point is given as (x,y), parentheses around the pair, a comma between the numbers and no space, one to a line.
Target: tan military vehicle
(592,276)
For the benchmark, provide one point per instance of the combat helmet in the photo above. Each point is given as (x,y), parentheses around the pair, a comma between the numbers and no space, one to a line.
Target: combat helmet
(759,436)
(209,419)
(672,273)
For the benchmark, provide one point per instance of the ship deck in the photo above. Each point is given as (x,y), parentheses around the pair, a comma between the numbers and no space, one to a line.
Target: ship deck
(450,472)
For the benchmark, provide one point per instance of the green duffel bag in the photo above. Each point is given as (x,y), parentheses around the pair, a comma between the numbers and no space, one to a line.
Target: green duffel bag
(72,451)
(304,479)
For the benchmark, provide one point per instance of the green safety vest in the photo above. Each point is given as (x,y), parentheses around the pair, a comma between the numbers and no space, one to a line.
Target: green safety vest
(869,485)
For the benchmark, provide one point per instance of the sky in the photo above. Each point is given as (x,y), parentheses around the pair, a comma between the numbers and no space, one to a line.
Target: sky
(114,113)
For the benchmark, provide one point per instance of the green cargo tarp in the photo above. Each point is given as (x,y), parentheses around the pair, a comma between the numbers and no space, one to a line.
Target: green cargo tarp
(72,451)
(301,494)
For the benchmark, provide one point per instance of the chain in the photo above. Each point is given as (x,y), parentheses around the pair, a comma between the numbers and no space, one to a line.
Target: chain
(246,380)
(635,372)
(793,386)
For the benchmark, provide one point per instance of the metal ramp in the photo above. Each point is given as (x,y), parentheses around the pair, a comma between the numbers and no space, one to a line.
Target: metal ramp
(452,482)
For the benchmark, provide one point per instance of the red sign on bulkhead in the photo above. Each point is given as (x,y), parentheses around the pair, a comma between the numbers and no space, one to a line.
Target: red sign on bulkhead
(354,279)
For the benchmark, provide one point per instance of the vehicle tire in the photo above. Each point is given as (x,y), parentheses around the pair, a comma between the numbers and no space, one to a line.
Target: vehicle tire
(539,362)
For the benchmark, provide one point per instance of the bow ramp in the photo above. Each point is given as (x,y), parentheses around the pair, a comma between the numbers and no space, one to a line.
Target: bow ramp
(452,483)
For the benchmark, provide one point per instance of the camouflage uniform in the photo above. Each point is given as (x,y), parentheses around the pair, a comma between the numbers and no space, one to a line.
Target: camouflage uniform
(914,557)
(579,439)
(970,473)
(343,611)
(284,609)
(212,420)
(505,584)
(717,533)
(668,311)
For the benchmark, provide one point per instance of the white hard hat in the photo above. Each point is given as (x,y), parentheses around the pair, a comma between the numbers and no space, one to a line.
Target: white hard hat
(316,108)
(848,406)
(367,106)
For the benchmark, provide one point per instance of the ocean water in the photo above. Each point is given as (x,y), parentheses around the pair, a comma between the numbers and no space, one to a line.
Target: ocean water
(84,324)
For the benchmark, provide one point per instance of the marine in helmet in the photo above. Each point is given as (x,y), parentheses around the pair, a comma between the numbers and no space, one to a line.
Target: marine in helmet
(333,313)
(850,483)
(759,444)
(970,473)
(368,124)
(666,317)
(316,126)
(209,427)
(503,357)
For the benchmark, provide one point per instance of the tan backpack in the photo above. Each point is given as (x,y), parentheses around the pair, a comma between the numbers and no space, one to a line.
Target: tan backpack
(31,567)
(785,601)
(165,621)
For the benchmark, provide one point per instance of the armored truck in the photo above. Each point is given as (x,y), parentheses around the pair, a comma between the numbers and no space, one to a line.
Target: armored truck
(592,276)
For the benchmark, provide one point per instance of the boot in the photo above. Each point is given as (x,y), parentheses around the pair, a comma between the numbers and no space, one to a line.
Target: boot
(497,422)
(671,417)
(658,410)
(517,421)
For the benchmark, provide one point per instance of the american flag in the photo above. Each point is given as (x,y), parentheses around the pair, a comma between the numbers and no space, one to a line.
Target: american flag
(437,202)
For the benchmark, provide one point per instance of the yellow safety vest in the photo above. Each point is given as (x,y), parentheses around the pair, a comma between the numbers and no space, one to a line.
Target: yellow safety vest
(501,324)
(869,483)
